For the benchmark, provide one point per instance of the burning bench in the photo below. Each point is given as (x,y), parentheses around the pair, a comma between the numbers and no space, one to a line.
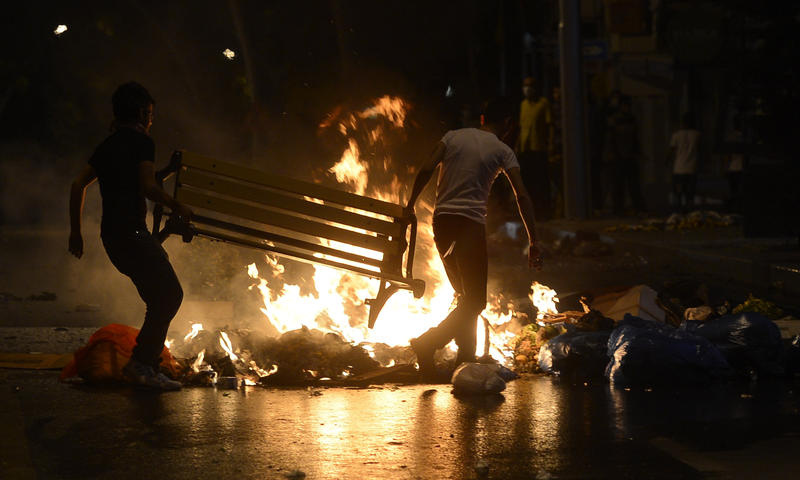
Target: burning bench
(291,218)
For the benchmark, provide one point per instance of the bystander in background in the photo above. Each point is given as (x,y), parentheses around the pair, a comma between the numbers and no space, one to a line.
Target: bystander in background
(534,142)
(623,154)
(684,146)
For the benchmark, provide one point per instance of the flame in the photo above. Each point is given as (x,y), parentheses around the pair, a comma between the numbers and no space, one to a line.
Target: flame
(60,29)
(229,54)
(196,328)
(337,302)
(544,299)
(350,169)
(225,343)
(199,361)
(168,343)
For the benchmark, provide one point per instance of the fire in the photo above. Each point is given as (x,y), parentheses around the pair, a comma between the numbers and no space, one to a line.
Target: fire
(337,302)
(225,343)
(350,170)
(544,299)
(60,29)
(199,361)
(196,328)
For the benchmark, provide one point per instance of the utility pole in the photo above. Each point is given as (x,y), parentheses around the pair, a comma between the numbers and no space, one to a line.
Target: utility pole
(569,38)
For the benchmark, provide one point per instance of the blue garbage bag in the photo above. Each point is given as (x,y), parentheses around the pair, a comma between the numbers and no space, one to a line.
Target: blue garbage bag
(579,354)
(644,352)
(750,342)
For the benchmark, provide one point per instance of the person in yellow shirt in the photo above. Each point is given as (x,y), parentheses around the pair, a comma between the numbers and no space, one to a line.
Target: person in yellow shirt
(536,139)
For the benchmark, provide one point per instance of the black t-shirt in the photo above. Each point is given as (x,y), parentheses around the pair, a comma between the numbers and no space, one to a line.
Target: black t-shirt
(116,162)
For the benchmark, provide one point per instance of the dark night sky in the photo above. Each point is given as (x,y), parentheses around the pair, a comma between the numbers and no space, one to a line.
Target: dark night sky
(306,58)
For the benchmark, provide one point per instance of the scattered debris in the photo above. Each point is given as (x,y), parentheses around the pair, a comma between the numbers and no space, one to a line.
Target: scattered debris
(481,378)
(7,297)
(698,314)
(691,221)
(87,307)
(43,297)
(640,301)
(758,305)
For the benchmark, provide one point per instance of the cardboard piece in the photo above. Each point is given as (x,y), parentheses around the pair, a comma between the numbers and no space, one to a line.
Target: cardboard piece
(35,361)
(639,301)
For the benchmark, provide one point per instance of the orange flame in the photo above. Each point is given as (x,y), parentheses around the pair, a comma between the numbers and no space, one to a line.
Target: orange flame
(337,304)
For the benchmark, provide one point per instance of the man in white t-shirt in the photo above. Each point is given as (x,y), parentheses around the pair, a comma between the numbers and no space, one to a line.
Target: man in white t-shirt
(685,145)
(469,160)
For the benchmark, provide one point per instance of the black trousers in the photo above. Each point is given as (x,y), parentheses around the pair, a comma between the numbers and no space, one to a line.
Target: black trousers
(626,179)
(683,188)
(462,246)
(138,255)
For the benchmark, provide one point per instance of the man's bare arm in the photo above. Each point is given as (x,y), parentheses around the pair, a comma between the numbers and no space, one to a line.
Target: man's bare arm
(525,206)
(77,195)
(425,174)
(154,192)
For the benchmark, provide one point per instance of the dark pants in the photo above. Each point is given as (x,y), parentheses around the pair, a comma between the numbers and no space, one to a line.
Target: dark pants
(138,255)
(534,170)
(462,246)
(683,187)
(626,179)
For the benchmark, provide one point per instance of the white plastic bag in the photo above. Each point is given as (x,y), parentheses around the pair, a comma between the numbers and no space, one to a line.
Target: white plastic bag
(478,378)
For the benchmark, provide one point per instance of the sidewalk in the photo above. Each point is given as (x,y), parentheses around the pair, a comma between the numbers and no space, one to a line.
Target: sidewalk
(764,264)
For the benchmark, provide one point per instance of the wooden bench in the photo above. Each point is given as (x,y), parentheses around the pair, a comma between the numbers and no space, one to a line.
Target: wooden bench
(291,218)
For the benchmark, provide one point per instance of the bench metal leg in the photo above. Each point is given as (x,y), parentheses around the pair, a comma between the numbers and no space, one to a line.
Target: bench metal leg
(376,304)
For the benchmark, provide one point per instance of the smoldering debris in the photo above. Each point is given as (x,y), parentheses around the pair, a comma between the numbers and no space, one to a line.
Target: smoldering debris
(296,358)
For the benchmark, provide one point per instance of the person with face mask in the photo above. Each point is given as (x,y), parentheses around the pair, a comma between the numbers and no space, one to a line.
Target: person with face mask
(536,139)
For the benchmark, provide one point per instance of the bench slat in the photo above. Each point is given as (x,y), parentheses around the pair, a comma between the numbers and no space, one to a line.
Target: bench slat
(291,185)
(274,199)
(261,235)
(308,258)
(250,212)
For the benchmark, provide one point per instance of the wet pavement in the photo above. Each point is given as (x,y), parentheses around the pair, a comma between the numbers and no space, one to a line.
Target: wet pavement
(540,427)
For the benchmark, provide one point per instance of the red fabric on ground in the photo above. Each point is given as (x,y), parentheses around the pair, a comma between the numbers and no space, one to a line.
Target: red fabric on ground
(108,350)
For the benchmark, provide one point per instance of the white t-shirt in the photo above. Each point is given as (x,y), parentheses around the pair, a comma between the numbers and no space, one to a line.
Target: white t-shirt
(685,144)
(472,160)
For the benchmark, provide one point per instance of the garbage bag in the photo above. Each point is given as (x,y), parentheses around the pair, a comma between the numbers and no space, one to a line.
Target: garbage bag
(480,378)
(108,350)
(644,352)
(582,354)
(750,342)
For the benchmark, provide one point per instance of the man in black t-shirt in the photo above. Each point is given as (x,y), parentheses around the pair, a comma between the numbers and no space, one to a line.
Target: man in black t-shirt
(123,165)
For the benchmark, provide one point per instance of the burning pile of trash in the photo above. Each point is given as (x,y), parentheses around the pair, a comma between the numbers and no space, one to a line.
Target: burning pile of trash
(297,357)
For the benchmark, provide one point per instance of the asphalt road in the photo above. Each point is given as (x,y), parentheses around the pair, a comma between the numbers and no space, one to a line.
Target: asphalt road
(540,427)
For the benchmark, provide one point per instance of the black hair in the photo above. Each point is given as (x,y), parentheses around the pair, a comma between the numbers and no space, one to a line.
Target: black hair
(497,110)
(128,101)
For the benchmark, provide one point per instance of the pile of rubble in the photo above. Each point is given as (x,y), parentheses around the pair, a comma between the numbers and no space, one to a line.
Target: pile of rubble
(640,337)
(677,221)
(297,357)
